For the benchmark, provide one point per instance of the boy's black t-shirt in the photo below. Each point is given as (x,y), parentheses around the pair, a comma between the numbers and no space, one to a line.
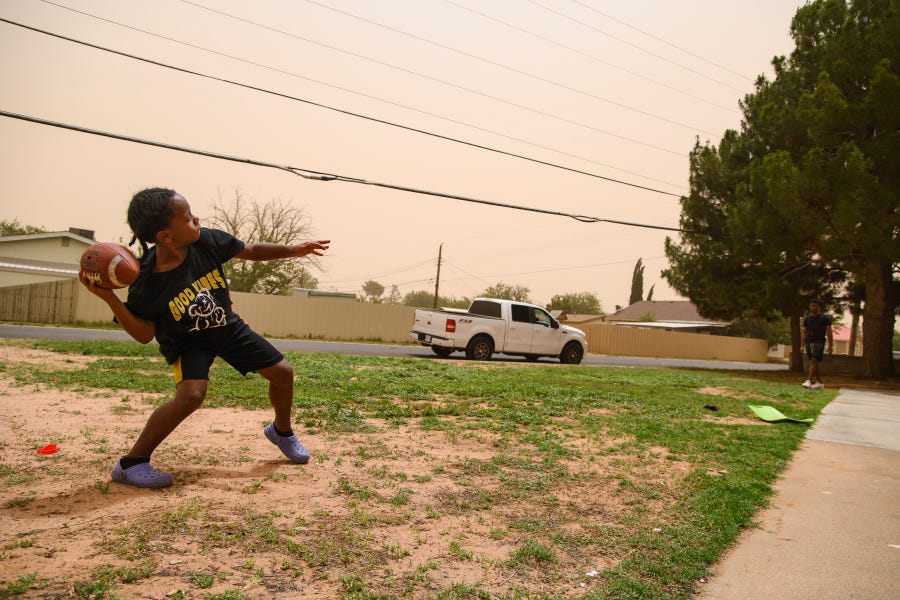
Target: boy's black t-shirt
(189,304)
(816,327)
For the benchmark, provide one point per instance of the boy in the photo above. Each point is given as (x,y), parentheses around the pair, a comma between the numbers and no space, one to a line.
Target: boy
(181,298)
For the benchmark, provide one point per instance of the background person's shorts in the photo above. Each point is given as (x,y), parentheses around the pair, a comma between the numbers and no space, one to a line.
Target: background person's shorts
(245,350)
(815,350)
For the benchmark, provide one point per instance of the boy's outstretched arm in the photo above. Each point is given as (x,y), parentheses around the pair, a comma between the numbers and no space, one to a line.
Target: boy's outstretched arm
(140,329)
(267,251)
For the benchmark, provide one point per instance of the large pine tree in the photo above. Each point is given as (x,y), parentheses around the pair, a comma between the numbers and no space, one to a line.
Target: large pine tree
(806,193)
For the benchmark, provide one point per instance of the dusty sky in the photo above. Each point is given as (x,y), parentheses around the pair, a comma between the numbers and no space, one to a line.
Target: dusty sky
(620,90)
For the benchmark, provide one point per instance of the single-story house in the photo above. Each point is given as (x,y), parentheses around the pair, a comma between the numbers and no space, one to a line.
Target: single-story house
(40,257)
(841,337)
(311,293)
(671,315)
(576,319)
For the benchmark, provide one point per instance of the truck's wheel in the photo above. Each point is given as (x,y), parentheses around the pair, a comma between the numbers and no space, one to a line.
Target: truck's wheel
(480,348)
(442,351)
(571,354)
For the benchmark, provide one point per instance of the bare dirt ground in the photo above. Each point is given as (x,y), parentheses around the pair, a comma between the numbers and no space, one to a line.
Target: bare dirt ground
(397,509)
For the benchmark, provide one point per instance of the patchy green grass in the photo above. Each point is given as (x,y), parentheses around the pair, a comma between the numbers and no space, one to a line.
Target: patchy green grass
(629,467)
(104,580)
(22,584)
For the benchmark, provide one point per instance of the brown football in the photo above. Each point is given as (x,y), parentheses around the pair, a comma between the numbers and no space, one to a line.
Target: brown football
(110,265)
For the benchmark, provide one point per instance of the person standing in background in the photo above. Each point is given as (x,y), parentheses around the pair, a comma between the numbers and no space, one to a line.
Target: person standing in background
(816,330)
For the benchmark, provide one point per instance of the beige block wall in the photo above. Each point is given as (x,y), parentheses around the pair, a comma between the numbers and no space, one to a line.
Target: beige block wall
(297,316)
(91,309)
(638,341)
(293,316)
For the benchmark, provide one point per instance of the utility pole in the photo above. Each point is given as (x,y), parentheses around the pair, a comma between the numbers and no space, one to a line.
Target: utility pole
(437,279)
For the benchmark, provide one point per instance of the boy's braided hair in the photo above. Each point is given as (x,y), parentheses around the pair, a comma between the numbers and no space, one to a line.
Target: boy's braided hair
(149,213)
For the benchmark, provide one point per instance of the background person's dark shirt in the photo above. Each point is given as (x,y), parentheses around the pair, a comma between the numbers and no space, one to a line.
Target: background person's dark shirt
(816,326)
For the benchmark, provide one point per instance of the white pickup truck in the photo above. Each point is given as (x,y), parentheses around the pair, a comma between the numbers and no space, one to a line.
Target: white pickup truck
(501,326)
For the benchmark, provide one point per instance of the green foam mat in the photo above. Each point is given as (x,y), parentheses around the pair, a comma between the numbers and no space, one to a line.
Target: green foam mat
(773,415)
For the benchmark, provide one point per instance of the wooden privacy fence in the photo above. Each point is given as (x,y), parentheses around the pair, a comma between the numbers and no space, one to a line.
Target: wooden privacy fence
(50,302)
(322,317)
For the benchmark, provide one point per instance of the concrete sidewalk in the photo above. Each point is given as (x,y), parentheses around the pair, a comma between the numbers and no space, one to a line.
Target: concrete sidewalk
(832,530)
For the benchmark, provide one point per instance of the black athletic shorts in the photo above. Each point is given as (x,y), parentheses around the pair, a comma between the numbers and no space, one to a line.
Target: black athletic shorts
(815,350)
(245,350)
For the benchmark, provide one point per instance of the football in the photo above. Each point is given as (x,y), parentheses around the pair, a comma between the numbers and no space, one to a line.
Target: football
(111,266)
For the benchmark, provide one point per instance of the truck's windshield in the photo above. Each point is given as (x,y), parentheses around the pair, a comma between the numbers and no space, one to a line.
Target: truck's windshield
(543,318)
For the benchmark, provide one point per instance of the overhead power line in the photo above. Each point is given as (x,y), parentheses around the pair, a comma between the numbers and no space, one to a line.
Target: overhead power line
(659,39)
(635,46)
(354,114)
(377,276)
(590,56)
(511,69)
(442,81)
(483,278)
(369,96)
(322,176)
(392,66)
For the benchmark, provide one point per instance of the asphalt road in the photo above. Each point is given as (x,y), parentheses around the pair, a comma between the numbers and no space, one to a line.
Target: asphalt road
(390,350)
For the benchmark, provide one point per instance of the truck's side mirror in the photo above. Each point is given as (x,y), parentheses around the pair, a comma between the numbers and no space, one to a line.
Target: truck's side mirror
(554,323)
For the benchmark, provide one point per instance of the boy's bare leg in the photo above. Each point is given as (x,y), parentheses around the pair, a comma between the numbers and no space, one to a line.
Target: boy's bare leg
(281,392)
(189,395)
(815,371)
(281,395)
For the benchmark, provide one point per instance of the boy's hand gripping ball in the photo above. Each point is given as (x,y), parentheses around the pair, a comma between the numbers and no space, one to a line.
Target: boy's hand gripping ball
(110,266)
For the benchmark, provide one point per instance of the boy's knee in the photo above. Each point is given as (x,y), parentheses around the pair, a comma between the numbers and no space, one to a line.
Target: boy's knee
(281,373)
(190,397)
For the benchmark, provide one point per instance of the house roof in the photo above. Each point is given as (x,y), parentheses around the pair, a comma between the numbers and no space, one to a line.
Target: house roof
(673,311)
(47,235)
(41,267)
(679,325)
(313,293)
(579,318)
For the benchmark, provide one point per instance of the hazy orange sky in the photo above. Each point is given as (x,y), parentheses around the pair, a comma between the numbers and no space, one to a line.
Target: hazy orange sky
(620,90)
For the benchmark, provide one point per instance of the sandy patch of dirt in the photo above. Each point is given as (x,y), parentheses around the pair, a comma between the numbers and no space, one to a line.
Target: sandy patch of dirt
(411,511)
(734,421)
(43,357)
(714,391)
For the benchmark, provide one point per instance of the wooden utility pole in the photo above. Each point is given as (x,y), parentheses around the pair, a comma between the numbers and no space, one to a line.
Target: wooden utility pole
(437,279)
